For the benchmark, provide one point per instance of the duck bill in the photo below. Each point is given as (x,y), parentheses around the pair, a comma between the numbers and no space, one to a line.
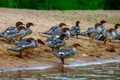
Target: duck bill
(33,25)
(65,25)
(23,25)
(41,42)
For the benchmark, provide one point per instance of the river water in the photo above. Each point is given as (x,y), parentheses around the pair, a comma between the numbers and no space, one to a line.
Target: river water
(108,71)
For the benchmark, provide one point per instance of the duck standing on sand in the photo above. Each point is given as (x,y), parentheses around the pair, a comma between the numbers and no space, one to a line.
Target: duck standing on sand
(66,52)
(61,31)
(95,31)
(101,29)
(28,30)
(11,30)
(54,28)
(102,22)
(29,43)
(89,30)
(22,42)
(109,35)
(117,31)
(57,43)
(75,30)
(26,41)
(57,34)
(18,35)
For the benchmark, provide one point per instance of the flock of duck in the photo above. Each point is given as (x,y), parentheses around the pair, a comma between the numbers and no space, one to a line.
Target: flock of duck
(99,32)
(57,37)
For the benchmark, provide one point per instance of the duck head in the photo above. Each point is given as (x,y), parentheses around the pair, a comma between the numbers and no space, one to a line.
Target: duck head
(62,36)
(62,24)
(116,26)
(40,42)
(77,23)
(96,25)
(20,28)
(110,30)
(18,24)
(30,40)
(66,32)
(103,21)
(29,24)
(65,29)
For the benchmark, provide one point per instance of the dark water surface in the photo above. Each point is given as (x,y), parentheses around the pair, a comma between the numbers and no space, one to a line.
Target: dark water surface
(108,71)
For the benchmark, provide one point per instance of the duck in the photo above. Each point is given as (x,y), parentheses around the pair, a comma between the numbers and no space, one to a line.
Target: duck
(95,31)
(88,31)
(27,44)
(100,28)
(28,30)
(57,43)
(102,22)
(58,33)
(11,30)
(75,30)
(21,42)
(117,31)
(18,35)
(66,52)
(25,41)
(66,31)
(85,33)
(54,28)
(109,35)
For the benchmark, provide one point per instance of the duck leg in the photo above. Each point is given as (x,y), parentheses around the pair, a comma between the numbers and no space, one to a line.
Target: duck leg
(91,38)
(62,60)
(57,48)
(52,49)
(21,38)
(10,41)
(20,54)
(77,36)
(105,42)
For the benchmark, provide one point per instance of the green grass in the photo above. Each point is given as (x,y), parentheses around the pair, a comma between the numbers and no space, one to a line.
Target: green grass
(61,4)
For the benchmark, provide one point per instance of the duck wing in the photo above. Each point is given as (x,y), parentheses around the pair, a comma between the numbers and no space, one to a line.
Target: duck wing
(22,42)
(25,46)
(62,52)
(58,42)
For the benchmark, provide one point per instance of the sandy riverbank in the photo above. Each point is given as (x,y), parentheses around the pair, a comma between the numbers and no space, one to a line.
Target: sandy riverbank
(40,57)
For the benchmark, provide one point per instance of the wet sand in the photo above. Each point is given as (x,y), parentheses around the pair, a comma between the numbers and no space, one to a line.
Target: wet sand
(41,57)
